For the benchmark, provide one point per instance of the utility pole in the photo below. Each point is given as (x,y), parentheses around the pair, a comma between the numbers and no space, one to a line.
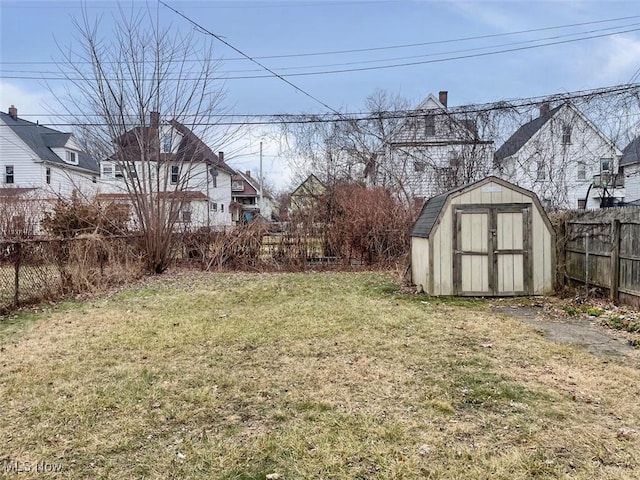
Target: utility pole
(260,197)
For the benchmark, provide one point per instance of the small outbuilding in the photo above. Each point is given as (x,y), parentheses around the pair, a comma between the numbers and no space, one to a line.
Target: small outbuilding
(489,238)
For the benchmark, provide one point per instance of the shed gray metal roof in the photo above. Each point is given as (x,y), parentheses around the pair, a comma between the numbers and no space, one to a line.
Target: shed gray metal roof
(431,210)
(42,139)
(523,135)
(631,153)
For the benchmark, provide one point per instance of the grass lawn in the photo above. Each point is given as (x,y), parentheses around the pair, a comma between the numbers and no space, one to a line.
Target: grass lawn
(310,376)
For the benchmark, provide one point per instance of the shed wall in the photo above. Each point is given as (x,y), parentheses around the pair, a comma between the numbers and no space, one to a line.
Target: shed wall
(441,238)
(420,262)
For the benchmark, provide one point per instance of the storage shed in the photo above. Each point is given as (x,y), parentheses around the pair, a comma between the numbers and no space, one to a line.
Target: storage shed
(489,238)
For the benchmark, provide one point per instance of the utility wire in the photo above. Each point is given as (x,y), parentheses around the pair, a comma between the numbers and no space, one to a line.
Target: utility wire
(220,39)
(427,55)
(388,47)
(345,70)
(334,116)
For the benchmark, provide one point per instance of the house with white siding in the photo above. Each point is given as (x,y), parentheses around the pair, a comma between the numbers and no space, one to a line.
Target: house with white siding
(33,156)
(177,165)
(433,150)
(564,158)
(630,166)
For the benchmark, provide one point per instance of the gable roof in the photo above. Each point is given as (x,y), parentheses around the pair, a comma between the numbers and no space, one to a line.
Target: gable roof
(191,147)
(521,136)
(631,153)
(433,208)
(308,187)
(41,140)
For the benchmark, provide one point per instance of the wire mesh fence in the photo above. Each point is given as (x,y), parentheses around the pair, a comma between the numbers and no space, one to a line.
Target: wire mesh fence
(34,270)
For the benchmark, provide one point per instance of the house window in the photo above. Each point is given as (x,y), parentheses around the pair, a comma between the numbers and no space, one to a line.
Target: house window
(71,157)
(419,166)
(541,173)
(429,125)
(582,171)
(47,175)
(605,165)
(8,174)
(222,207)
(107,170)
(175,174)
(566,134)
(237,186)
(213,206)
(582,204)
(131,171)
(186,216)
(118,171)
(166,144)
(454,159)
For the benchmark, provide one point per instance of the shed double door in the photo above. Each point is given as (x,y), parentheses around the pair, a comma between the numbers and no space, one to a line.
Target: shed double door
(492,255)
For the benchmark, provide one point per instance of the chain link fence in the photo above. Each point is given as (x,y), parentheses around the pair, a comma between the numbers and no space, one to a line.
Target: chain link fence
(35,270)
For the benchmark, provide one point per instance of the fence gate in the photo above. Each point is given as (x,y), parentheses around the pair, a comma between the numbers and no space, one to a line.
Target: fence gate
(492,250)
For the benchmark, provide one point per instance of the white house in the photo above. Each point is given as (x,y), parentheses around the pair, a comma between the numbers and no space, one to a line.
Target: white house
(38,157)
(249,199)
(564,158)
(630,164)
(432,151)
(179,166)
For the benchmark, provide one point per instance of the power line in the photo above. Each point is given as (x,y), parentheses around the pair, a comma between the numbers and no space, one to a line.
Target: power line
(220,39)
(335,116)
(428,55)
(345,70)
(387,47)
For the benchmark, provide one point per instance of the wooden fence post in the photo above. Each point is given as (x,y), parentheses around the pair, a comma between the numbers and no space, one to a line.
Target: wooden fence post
(615,260)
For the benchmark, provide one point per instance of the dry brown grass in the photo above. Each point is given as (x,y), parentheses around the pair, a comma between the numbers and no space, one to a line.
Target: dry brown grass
(311,376)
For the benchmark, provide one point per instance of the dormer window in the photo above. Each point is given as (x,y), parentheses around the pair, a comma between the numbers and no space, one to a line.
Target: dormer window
(71,157)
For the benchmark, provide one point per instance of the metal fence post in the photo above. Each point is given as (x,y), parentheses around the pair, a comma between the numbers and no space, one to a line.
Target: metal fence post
(16,282)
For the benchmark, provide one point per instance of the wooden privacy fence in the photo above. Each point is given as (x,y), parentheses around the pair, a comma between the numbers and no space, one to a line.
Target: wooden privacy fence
(605,254)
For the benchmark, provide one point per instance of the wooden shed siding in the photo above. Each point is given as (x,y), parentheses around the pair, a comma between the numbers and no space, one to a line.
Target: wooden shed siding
(420,262)
(443,259)
(438,250)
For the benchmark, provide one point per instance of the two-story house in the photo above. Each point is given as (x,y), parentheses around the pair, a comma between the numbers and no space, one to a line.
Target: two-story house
(630,166)
(38,165)
(37,157)
(432,151)
(249,199)
(177,166)
(564,158)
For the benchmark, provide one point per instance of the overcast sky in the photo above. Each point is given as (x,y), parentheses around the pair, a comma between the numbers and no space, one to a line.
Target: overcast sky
(33,31)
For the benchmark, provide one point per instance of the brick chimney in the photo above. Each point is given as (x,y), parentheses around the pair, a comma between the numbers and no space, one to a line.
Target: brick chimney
(248,173)
(221,156)
(545,108)
(442,97)
(13,112)
(154,119)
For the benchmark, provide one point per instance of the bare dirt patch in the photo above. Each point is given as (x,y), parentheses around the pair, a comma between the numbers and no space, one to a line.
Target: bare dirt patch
(583,330)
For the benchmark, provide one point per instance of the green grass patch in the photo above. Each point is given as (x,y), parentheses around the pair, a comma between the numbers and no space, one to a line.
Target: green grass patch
(324,375)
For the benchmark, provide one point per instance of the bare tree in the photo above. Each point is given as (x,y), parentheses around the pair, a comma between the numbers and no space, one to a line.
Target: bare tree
(146,100)
(341,147)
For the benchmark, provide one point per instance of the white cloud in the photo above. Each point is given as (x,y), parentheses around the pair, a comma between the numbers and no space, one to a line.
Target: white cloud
(27,101)
(620,59)
(243,154)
